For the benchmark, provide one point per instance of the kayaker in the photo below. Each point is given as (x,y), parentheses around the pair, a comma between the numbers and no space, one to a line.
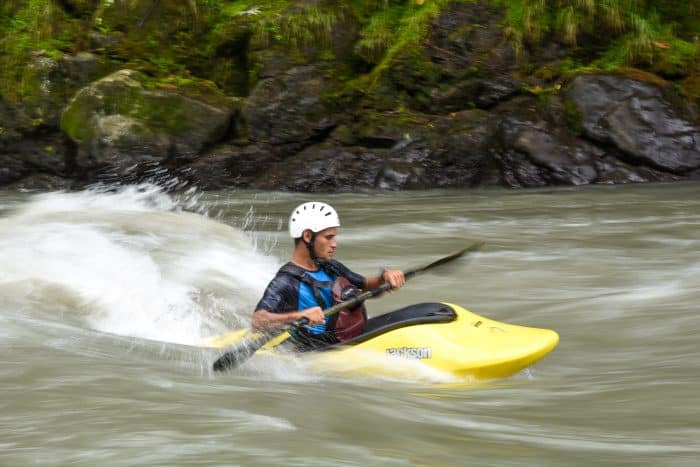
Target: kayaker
(302,288)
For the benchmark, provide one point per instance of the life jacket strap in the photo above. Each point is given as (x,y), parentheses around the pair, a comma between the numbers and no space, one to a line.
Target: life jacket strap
(315,285)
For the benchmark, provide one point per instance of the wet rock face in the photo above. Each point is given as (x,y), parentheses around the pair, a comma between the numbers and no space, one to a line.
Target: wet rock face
(637,119)
(379,151)
(627,132)
(122,120)
(287,109)
(12,169)
(539,144)
(551,156)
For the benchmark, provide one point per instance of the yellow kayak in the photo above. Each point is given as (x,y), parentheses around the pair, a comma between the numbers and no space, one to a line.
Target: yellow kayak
(441,336)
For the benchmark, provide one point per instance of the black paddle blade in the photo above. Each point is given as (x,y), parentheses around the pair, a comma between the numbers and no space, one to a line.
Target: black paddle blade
(235,356)
(231,360)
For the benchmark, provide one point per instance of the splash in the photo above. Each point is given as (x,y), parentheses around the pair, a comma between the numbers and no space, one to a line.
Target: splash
(130,261)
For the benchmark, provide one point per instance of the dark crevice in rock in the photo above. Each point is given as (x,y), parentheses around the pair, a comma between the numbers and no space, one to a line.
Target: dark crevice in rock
(376,142)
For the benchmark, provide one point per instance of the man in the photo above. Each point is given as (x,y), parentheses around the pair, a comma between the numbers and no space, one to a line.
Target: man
(303,287)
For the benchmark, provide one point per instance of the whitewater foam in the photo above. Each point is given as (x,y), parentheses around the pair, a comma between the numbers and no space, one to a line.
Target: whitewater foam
(131,261)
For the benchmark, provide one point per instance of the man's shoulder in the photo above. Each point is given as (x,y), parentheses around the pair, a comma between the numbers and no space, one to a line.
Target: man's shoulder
(337,267)
(280,294)
(290,269)
(337,263)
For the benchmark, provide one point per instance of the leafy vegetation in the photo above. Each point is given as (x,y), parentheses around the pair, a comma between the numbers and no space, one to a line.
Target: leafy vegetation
(659,35)
(31,29)
(303,26)
(216,39)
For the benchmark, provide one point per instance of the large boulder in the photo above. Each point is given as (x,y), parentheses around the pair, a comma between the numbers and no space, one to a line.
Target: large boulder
(284,114)
(287,108)
(540,143)
(638,119)
(536,154)
(126,119)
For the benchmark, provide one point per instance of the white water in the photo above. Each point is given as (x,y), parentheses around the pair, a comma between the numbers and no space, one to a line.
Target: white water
(130,262)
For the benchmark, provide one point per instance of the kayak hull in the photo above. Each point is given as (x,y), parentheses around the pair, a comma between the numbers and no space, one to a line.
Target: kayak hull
(440,336)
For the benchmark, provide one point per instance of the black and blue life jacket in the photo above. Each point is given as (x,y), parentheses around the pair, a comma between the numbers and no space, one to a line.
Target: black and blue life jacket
(339,326)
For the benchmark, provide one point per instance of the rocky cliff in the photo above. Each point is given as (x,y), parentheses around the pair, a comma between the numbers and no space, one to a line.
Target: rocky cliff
(304,96)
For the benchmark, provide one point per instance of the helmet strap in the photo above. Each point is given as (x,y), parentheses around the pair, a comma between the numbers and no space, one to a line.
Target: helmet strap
(310,247)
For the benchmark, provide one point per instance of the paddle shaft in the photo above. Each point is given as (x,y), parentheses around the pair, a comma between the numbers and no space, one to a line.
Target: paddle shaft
(237,355)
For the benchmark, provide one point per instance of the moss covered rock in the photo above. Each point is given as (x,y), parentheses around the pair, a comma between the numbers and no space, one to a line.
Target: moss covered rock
(127,118)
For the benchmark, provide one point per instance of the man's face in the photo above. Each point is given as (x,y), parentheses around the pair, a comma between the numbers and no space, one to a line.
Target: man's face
(326,243)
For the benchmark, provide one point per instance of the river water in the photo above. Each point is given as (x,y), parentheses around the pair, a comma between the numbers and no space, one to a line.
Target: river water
(102,293)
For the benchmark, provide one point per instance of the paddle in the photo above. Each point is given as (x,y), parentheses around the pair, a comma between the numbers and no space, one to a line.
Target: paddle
(242,352)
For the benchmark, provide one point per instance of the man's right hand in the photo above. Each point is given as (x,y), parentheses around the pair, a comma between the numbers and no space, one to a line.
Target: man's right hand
(313,314)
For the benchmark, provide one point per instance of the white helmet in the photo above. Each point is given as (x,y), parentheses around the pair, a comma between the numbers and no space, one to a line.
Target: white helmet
(315,216)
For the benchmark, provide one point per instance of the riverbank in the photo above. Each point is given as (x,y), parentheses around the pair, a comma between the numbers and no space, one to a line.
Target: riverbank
(342,96)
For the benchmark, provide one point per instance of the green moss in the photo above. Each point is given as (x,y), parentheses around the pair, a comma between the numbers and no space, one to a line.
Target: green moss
(546,73)
(378,35)
(617,32)
(73,124)
(675,57)
(412,27)
(572,117)
(271,22)
(157,104)
(31,29)
(691,87)
(667,56)
(296,26)
(164,111)
(158,111)
(167,65)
